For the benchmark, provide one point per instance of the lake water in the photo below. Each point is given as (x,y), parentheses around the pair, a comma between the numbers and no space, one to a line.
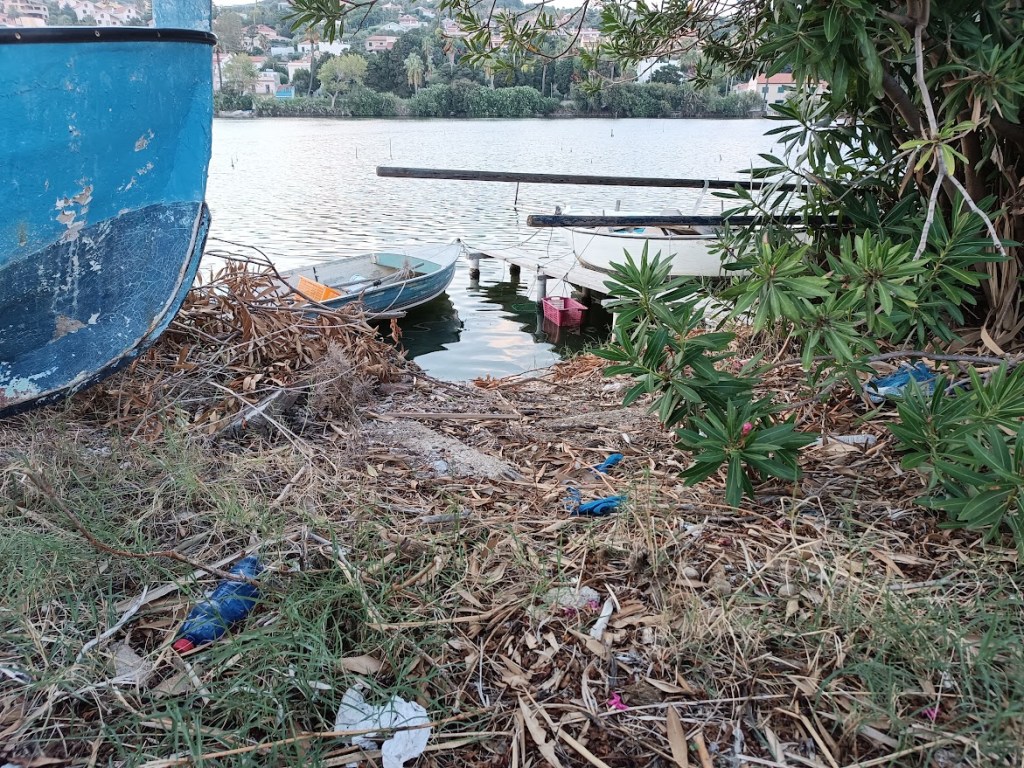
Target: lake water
(306,190)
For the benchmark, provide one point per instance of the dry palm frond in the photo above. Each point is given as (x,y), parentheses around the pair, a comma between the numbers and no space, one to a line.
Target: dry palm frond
(238,337)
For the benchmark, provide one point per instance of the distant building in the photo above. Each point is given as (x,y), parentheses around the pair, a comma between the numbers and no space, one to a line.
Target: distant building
(296,66)
(588,38)
(451,29)
(106,14)
(645,68)
(24,13)
(775,89)
(285,92)
(267,83)
(304,47)
(380,43)
(407,21)
(261,36)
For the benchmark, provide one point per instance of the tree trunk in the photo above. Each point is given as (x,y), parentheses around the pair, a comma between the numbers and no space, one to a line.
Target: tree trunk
(543,78)
(312,68)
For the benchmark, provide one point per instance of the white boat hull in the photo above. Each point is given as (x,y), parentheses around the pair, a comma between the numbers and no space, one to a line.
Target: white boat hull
(599,247)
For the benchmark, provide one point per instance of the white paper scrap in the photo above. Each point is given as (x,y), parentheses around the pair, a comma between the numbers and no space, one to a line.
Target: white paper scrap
(356,714)
(597,631)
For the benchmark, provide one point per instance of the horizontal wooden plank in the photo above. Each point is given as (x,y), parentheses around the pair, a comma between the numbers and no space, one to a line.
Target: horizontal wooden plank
(452,174)
(611,220)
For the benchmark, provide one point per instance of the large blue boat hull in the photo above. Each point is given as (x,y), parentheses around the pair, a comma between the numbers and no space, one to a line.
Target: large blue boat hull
(104,145)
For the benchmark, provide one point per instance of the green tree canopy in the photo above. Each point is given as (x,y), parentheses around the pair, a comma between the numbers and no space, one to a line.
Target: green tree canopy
(240,74)
(341,73)
(229,30)
(668,73)
(414,69)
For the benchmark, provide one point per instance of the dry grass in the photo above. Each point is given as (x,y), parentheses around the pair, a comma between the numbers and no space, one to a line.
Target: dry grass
(827,625)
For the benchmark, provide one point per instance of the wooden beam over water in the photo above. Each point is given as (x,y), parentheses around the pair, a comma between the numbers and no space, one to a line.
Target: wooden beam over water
(451,174)
(654,220)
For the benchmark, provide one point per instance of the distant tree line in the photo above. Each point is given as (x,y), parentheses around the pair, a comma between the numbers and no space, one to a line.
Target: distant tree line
(424,75)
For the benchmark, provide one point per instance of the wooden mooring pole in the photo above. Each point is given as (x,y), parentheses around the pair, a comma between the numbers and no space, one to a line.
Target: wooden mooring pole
(542,286)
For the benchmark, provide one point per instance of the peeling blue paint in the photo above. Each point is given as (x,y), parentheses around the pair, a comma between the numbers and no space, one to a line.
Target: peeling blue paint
(104,146)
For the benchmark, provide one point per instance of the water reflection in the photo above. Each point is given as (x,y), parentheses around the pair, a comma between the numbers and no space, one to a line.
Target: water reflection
(493,326)
(431,327)
(305,190)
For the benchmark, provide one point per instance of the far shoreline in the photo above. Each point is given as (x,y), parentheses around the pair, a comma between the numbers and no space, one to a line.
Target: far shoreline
(252,115)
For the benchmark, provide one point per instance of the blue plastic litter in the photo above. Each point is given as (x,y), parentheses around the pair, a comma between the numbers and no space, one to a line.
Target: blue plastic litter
(228,604)
(598,507)
(574,499)
(894,386)
(595,508)
(608,463)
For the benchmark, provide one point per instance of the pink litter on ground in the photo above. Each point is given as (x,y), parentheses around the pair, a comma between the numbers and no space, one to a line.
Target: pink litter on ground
(932,713)
(616,702)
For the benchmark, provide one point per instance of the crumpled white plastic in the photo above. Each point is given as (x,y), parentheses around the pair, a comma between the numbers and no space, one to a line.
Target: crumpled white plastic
(356,714)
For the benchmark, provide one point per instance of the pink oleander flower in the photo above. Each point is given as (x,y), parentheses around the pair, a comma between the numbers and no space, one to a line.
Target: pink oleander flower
(616,702)
(593,605)
(746,429)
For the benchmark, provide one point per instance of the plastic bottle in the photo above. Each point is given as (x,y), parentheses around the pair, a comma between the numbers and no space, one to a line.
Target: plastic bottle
(228,604)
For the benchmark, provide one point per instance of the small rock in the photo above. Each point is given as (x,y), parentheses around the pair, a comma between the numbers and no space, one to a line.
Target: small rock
(722,588)
(718,583)
(691,573)
(393,389)
(788,590)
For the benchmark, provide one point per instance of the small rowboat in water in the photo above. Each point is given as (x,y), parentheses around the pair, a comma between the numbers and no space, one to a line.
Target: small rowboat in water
(104,146)
(383,282)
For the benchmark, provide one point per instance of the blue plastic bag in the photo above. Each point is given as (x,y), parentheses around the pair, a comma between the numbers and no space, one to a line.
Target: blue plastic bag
(894,386)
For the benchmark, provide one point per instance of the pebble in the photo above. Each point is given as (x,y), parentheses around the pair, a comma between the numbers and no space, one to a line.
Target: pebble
(721,587)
